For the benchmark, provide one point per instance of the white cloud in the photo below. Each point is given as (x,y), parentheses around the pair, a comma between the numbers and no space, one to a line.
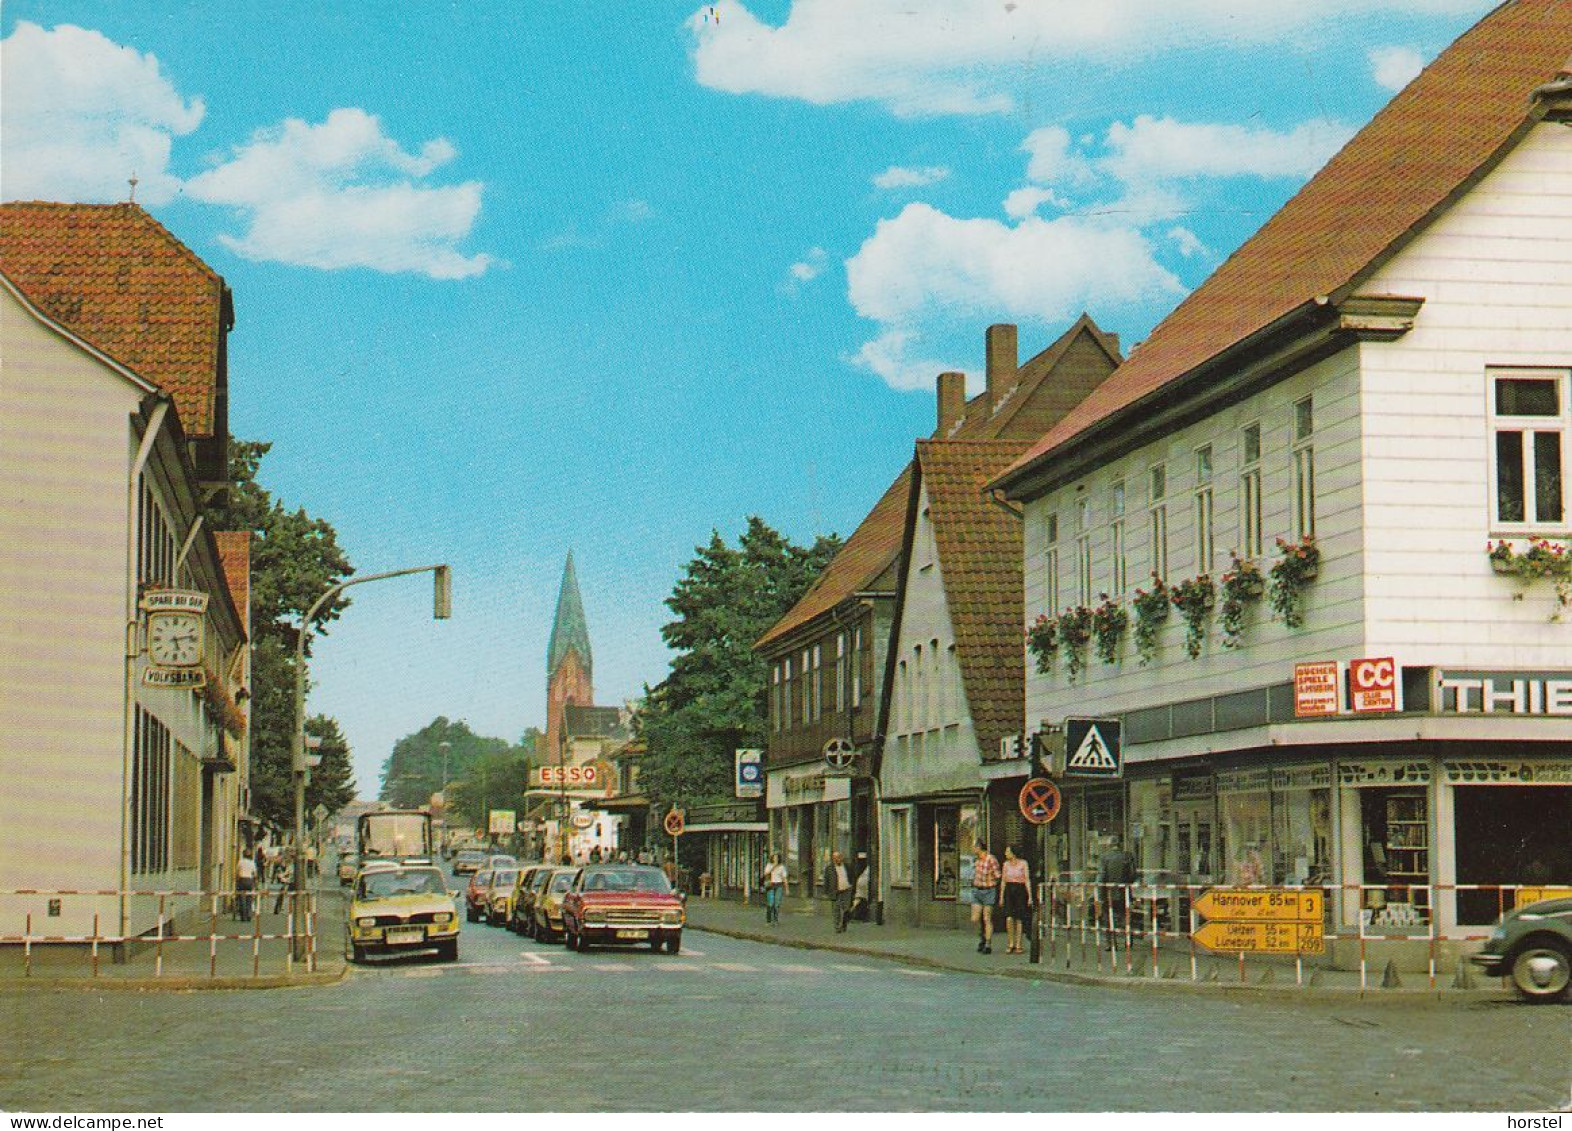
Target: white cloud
(1025,201)
(1159,149)
(897,176)
(80,115)
(344,194)
(1395,67)
(948,57)
(632,211)
(924,265)
(1053,160)
(805,270)
(1186,242)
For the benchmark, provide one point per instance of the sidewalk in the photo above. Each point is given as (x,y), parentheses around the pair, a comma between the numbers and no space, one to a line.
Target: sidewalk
(1072,960)
(247,963)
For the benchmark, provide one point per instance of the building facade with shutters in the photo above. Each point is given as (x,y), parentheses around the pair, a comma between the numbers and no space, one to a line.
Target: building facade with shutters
(1367,396)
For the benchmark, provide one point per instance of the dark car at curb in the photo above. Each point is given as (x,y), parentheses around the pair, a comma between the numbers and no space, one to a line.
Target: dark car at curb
(1532,946)
(622,904)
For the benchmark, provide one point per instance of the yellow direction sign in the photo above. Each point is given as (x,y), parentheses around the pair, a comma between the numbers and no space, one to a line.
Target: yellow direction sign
(1525,896)
(1270,906)
(1266,938)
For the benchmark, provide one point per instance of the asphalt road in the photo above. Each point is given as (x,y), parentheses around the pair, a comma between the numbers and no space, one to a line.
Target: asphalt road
(730,1025)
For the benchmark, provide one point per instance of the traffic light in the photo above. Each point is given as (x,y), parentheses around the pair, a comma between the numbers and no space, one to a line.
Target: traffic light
(442,597)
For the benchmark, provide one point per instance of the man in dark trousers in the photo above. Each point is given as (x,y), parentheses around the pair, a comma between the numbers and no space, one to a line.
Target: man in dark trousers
(1115,872)
(839,883)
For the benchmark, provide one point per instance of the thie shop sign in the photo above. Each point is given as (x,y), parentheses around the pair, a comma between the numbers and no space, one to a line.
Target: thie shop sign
(1504,693)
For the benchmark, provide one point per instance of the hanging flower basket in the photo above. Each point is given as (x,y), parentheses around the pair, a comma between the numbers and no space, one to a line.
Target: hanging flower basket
(1042,641)
(1075,630)
(1242,584)
(1109,621)
(1194,599)
(1298,564)
(1543,559)
(1151,610)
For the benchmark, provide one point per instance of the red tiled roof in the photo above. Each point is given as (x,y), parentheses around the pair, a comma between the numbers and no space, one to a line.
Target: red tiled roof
(1427,144)
(234,551)
(118,279)
(979,546)
(876,543)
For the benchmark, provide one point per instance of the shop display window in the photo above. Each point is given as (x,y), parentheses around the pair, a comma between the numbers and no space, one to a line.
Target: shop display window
(1301,836)
(1396,837)
(1246,825)
(946,852)
(900,847)
(1151,832)
(1104,810)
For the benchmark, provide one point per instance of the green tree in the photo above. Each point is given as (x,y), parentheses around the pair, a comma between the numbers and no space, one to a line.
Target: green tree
(294,559)
(714,700)
(482,772)
(332,781)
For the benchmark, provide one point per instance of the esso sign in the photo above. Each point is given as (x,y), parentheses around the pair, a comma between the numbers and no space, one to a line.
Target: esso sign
(1372,684)
(569,775)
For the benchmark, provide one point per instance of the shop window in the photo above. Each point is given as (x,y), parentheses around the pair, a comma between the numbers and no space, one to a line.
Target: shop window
(898,863)
(1104,817)
(1508,837)
(1151,813)
(1246,825)
(1301,836)
(1396,837)
(954,832)
(150,789)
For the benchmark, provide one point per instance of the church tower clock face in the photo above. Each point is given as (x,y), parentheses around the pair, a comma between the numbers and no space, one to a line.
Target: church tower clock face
(174,640)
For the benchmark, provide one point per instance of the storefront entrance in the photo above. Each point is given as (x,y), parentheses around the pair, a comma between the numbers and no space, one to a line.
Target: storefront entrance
(1510,834)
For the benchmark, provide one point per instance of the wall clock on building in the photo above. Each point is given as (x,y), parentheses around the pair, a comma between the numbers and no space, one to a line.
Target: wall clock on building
(174,639)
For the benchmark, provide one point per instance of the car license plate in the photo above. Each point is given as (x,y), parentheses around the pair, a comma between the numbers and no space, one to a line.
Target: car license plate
(633,934)
(405,936)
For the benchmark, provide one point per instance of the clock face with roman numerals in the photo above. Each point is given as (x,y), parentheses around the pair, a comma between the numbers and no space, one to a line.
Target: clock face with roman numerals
(174,640)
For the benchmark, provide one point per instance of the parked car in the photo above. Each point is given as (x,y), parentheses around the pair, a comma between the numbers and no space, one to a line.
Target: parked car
(499,895)
(524,905)
(395,909)
(468,862)
(1532,945)
(525,878)
(626,904)
(548,905)
(348,867)
(475,895)
(501,860)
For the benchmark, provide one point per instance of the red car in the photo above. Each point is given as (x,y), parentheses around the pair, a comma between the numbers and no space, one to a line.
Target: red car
(627,904)
(475,895)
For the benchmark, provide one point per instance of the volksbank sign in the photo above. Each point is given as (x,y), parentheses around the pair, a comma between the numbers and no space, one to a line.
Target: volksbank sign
(1504,693)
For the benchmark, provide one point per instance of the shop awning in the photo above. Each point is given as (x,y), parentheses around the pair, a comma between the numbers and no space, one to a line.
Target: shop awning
(631,804)
(729,827)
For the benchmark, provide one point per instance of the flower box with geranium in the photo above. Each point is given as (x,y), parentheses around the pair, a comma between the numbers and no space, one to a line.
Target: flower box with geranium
(1194,599)
(1242,583)
(1298,564)
(1542,560)
(1151,610)
(1042,641)
(1075,630)
(1109,620)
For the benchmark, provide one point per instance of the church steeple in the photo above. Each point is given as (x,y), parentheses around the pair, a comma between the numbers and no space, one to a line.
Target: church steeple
(569,632)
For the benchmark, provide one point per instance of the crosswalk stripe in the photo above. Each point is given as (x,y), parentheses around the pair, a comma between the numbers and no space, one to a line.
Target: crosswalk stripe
(918,973)
(735,967)
(613,967)
(535,958)
(786,969)
(846,968)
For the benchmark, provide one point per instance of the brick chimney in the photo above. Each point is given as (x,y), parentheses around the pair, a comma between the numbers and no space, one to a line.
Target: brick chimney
(952,402)
(1004,361)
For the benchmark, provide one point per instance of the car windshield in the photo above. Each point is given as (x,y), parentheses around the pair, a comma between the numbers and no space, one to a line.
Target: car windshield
(482,878)
(384,885)
(561,881)
(627,879)
(469,857)
(503,878)
(541,877)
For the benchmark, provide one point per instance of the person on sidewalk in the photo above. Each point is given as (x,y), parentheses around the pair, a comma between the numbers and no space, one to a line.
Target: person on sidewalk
(1016,881)
(859,903)
(286,883)
(774,881)
(1115,874)
(985,895)
(839,884)
(245,886)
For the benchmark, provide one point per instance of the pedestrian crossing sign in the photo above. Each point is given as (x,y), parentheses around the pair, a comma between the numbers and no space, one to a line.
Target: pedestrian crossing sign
(1092,748)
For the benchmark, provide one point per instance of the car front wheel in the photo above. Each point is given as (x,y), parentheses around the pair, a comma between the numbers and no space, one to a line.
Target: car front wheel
(1542,971)
(674,944)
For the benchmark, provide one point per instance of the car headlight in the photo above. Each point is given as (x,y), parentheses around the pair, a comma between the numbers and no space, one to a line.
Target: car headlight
(673,916)
(366,921)
(442,917)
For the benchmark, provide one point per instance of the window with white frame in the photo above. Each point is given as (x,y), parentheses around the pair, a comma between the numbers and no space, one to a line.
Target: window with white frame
(954,700)
(919,696)
(775,696)
(816,683)
(935,684)
(1083,552)
(1157,488)
(840,671)
(1250,505)
(1304,468)
(856,674)
(786,694)
(1528,423)
(899,864)
(1051,581)
(1116,547)
(1205,532)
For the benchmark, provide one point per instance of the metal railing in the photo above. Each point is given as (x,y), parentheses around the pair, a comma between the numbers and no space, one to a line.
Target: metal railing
(1160,920)
(178,916)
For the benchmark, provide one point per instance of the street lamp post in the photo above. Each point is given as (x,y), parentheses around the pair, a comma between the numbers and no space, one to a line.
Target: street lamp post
(442,609)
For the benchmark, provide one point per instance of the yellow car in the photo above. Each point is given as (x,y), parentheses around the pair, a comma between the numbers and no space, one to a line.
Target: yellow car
(400,909)
(548,905)
(499,900)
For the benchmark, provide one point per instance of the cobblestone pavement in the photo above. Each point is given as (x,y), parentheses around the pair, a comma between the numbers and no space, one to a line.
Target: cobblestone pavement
(688,1032)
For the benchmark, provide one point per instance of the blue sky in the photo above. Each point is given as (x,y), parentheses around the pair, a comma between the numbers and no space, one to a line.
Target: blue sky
(512,279)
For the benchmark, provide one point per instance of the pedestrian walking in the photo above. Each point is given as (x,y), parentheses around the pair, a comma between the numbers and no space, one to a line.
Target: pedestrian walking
(985,895)
(774,882)
(839,885)
(286,880)
(859,904)
(1115,874)
(1015,877)
(245,886)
